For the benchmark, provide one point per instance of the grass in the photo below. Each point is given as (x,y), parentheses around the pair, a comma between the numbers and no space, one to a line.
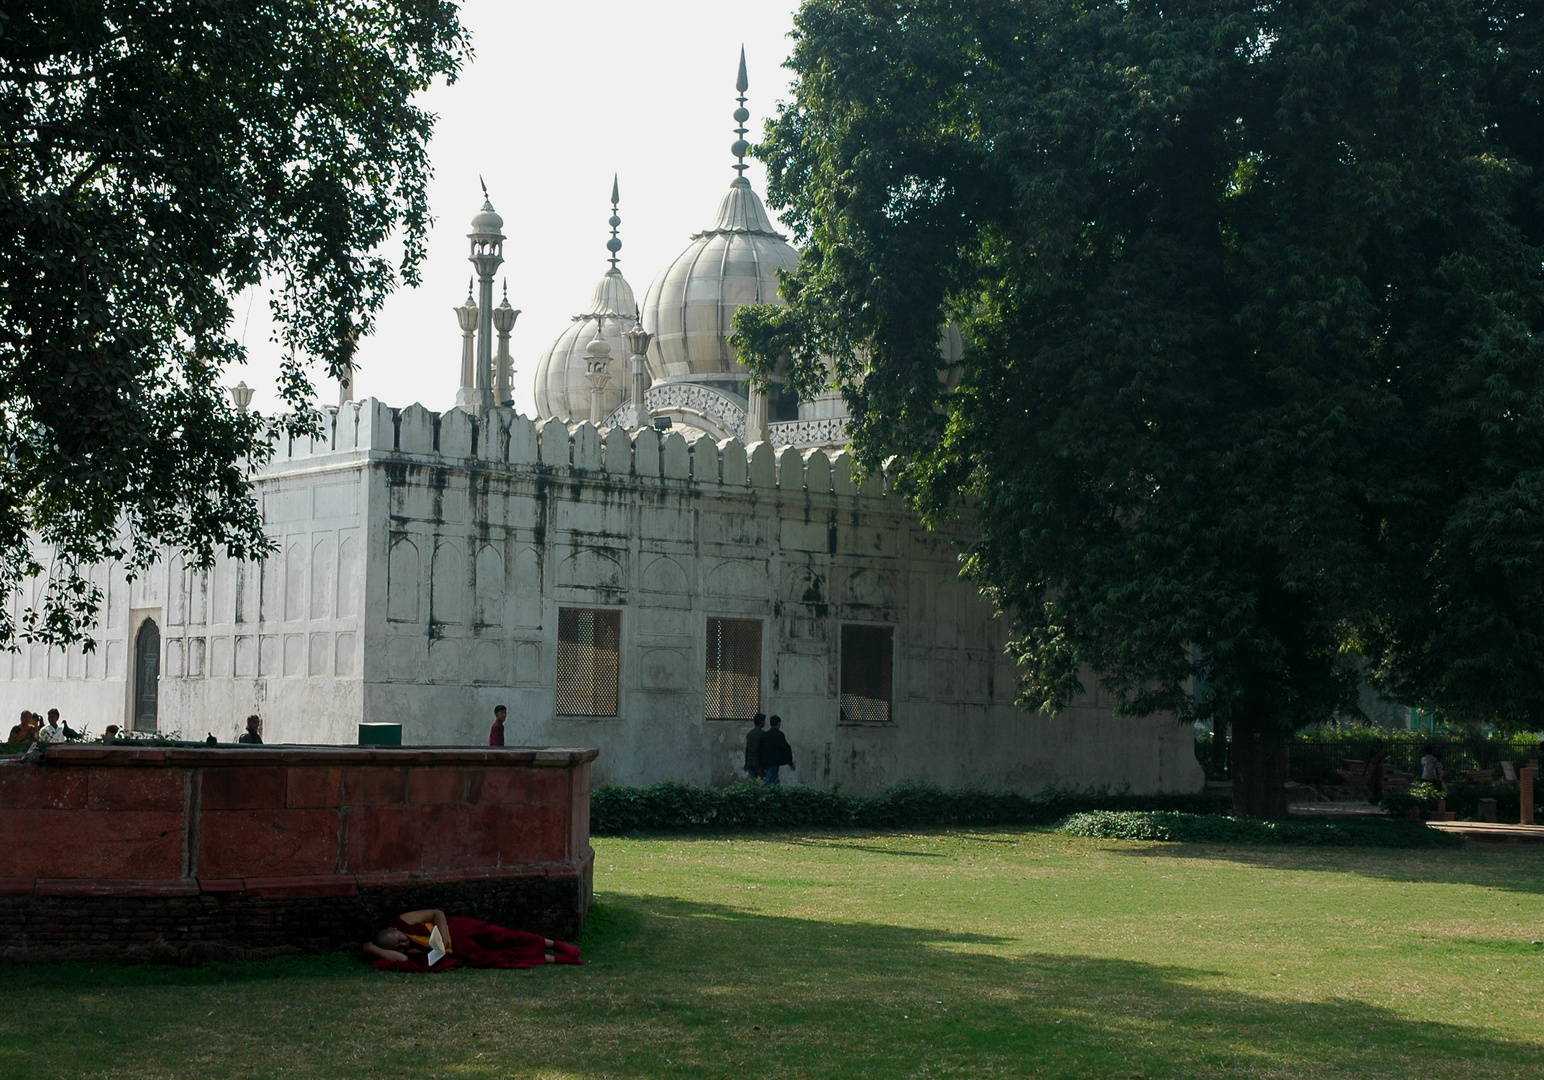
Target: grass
(991,954)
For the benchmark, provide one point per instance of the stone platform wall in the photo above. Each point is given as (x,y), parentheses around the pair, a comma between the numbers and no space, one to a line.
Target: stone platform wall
(182,853)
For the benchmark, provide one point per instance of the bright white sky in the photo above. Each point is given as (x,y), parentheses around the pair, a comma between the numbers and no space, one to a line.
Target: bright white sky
(557,98)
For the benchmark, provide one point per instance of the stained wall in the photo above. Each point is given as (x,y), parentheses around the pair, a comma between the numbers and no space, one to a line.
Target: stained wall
(424,559)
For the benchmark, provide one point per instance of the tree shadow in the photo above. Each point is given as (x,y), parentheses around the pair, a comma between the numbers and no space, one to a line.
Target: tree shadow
(682,988)
(1514,870)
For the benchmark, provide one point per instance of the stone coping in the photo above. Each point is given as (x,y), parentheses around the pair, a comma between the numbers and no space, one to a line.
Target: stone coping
(289,754)
(282,887)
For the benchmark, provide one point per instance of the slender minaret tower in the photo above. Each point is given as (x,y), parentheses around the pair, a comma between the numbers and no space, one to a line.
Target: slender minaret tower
(756,429)
(597,363)
(638,340)
(504,318)
(466,316)
(487,242)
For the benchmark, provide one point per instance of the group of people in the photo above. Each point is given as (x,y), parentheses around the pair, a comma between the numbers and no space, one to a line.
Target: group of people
(35,728)
(766,750)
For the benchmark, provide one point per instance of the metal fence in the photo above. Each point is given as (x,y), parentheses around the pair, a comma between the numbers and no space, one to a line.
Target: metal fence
(1317,757)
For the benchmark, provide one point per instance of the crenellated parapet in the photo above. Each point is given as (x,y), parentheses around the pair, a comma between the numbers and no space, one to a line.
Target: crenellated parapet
(504,439)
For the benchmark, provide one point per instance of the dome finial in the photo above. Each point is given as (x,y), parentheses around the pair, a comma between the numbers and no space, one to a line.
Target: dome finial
(614,245)
(741,114)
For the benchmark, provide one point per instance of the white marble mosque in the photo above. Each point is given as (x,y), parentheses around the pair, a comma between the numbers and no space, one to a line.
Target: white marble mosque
(661,552)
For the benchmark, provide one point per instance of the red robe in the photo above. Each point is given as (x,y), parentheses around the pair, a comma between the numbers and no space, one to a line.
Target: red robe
(478,944)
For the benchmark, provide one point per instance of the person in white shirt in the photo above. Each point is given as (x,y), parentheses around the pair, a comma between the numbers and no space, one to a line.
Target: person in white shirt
(51,731)
(1431,767)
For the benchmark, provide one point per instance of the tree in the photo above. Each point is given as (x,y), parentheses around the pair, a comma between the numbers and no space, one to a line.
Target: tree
(1252,403)
(157,157)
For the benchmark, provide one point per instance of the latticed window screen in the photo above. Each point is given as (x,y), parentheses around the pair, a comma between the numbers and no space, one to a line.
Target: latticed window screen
(589,661)
(866,674)
(733,680)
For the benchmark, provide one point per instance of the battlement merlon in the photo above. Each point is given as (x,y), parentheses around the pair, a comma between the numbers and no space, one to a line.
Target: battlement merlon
(503,438)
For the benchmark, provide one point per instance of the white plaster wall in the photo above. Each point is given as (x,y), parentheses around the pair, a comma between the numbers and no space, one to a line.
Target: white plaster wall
(281,638)
(424,557)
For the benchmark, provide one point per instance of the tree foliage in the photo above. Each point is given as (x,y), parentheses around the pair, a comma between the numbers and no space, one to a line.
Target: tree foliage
(1252,401)
(157,157)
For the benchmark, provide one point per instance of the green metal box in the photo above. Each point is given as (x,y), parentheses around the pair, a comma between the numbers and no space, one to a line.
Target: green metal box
(380,734)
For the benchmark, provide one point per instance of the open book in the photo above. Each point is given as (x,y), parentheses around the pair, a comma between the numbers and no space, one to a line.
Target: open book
(437,948)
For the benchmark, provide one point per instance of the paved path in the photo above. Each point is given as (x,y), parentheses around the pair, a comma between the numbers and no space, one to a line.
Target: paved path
(1491,831)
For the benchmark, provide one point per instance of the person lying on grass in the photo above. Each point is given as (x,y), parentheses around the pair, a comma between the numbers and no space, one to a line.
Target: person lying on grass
(405,945)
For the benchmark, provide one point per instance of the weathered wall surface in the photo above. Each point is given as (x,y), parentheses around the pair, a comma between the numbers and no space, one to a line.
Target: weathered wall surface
(263,849)
(281,638)
(425,558)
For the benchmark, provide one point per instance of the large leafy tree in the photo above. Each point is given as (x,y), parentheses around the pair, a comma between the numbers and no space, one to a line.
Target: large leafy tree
(157,157)
(1252,403)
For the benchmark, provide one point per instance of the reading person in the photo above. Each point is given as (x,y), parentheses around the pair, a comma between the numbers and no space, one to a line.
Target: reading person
(409,944)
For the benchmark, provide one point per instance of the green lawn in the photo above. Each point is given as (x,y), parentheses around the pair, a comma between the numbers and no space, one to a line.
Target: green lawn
(1014,953)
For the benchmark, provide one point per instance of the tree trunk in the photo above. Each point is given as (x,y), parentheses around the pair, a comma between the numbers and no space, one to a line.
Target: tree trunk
(1259,767)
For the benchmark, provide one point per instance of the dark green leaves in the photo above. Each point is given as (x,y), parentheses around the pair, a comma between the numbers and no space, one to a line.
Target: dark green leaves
(156,158)
(1251,405)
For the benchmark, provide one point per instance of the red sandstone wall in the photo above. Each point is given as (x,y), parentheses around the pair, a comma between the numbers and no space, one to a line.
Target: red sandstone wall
(290,822)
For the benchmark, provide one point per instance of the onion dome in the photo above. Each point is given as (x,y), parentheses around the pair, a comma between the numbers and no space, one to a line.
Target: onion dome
(561,387)
(690,306)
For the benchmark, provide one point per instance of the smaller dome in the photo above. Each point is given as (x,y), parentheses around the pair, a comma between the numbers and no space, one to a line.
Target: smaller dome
(487,220)
(561,387)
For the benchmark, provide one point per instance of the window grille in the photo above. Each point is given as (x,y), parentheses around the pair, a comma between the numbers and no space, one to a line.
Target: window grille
(589,661)
(866,674)
(733,679)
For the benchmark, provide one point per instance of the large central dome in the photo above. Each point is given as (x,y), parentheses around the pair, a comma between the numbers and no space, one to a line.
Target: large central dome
(690,306)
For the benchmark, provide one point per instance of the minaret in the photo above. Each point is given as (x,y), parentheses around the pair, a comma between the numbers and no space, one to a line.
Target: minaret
(597,363)
(504,318)
(638,340)
(756,428)
(466,316)
(487,241)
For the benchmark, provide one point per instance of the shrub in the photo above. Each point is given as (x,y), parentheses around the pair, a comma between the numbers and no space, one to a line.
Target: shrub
(1218,829)
(1463,799)
(675,808)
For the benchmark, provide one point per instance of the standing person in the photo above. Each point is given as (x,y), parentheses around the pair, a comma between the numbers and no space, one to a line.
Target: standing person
(496,732)
(774,752)
(110,733)
(753,739)
(1431,767)
(254,732)
(1375,763)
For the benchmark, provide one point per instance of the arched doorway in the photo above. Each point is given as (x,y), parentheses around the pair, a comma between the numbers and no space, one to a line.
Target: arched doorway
(147,676)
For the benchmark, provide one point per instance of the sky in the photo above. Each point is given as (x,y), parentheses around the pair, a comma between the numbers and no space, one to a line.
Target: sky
(557,99)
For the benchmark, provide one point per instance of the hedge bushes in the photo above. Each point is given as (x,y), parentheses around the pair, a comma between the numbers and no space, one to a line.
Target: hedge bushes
(677,808)
(1217,829)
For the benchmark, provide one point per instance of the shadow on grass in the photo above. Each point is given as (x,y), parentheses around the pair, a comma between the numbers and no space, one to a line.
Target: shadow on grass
(1517,870)
(676,987)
